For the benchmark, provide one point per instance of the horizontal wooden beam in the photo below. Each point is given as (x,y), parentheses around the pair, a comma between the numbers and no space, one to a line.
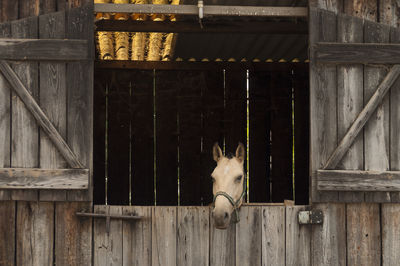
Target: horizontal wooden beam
(348,180)
(357,53)
(209,65)
(249,27)
(362,118)
(39,115)
(43,49)
(35,178)
(208,10)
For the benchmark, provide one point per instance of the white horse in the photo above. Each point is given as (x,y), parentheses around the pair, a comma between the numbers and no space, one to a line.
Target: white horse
(229,186)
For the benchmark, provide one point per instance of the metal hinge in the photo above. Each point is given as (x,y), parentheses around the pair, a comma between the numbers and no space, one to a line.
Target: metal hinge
(108,217)
(311,217)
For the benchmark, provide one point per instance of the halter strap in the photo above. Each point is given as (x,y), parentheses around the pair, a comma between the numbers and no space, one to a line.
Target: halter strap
(235,205)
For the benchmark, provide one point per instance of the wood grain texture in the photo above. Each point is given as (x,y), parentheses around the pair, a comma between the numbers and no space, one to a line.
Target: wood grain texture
(53,100)
(323,95)
(350,101)
(273,235)
(367,9)
(222,245)
(137,236)
(164,236)
(38,178)
(24,130)
(376,130)
(48,50)
(353,180)
(390,234)
(73,234)
(248,236)
(330,5)
(35,233)
(39,115)
(369,115)
(5,117)
(80,94)
(7,233)
(363,234)
(193,236)
(357,53)
(298,239)
(108,246)
(395,119)
(328,239)
(388,12)
(9,10)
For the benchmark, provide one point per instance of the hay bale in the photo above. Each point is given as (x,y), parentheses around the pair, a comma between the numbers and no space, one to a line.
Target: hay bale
(138,38)
(155,39)
(105,39)
(121,38)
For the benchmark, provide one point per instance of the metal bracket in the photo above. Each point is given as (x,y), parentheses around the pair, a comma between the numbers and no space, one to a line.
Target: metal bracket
(311,217)
(108,217)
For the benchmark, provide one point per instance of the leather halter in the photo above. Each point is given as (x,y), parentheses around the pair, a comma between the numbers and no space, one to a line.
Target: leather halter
(235,204)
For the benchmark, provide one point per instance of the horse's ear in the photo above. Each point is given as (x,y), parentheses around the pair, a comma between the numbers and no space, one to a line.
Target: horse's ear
(217,153)
(240,152)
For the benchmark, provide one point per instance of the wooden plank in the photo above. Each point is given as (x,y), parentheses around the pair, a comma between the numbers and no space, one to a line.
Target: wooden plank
(79,25)
(357,53)
(101,83)
(330,5)
(367,9)
(35,233)
(189,85)
(164,236)
(108,245)
(166,138)
(355,180)
(350,101)
(193,235)
(142,152)
(273,235)
(235,110)
(222,245)
(7,232)
(118,149)
(301,136)
(363,234)
(5,117)
(372,109)
(328,239)
(137,237)
(259,136)
(208,10)
(388,13)
(43,49)
(27,8)
(298,239)
(9,10)
(248,236)
(24,130)
(282,136)
(323,95)
(47,6)
(73,234)
(394,120)
(53,100)
(213,128)
(39,178)
(390,234)
(39,115)
(208,27)
(377,129)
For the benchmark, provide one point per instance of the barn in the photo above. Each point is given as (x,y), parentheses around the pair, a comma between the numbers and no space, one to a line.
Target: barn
(109,110)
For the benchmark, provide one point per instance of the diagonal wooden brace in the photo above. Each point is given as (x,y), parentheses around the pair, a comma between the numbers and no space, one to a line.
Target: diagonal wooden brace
(362,118)
(39,115)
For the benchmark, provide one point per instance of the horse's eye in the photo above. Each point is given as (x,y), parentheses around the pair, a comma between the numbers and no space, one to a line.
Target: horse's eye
(213,179)
(238,179)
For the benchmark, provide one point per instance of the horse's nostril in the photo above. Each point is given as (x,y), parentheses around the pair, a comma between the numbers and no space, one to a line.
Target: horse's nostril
(226,215)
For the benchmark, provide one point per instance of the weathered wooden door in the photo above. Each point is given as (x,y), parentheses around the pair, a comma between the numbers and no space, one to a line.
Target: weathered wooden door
(46,87)
(354,96)
(46,106)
